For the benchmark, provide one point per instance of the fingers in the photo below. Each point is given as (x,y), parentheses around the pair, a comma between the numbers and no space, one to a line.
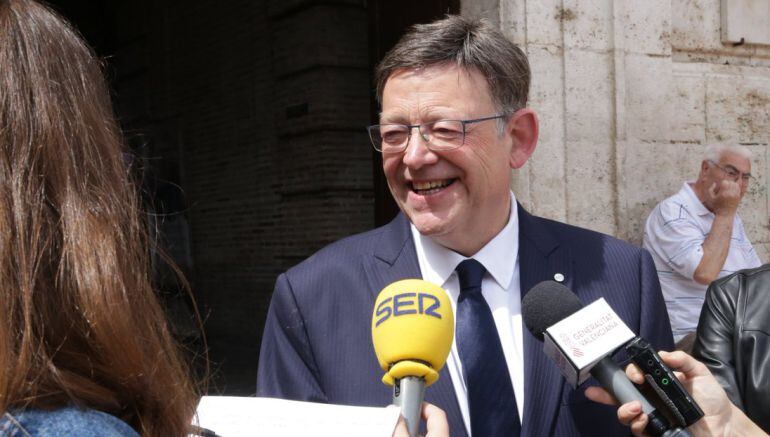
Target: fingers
(713,190)
(401,429)
(684,363)
(639,424)
(436,421)
(631,415)
(635,374)
(628,412)
(730,189)
(600,395)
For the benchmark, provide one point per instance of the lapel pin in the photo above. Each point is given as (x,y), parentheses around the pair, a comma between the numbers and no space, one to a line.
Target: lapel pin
(558,277)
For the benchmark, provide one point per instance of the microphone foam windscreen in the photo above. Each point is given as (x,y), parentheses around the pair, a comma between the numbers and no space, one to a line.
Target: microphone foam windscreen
(546,304)
(412,320)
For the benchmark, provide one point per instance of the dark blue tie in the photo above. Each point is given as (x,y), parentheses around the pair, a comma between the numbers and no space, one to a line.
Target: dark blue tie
(490,391)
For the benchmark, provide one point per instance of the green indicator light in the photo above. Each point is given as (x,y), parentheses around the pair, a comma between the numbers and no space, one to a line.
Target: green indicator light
(664,381)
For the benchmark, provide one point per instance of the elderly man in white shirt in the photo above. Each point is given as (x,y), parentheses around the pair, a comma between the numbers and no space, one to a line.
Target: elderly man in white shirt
(696,235)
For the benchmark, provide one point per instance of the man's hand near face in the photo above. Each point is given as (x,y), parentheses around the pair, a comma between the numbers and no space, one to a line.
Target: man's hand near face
(725,196)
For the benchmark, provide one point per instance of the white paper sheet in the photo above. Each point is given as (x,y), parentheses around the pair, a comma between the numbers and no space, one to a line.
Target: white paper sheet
(230,416)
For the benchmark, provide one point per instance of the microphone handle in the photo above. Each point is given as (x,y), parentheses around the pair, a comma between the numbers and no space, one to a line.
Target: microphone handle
(614,380)
(408,393)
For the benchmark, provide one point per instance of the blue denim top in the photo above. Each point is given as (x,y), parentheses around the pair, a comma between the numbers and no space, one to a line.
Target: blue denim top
(69,421)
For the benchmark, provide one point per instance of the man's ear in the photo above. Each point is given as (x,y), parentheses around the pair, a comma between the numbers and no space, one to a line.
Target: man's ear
(704,167)
(523,129)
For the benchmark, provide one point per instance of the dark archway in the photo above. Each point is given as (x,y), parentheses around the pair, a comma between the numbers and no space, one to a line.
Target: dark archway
(247,119)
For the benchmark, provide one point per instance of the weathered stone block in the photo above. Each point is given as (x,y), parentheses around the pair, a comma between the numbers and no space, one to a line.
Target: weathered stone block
(746,21)
(546,166)
(648,92)
(763,250)
(589,96)
(587,24)
(488,9)
(754,209)
(544,22)
(513,21)
(695,24)
(591,185)
(738,106)
(648,173)
(696,30)
(646,26)
(688,105)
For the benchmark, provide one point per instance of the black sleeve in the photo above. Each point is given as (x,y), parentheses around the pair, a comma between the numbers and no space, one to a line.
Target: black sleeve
(714,343)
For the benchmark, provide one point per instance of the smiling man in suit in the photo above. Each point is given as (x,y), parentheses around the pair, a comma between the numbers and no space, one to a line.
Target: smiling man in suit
(454,124)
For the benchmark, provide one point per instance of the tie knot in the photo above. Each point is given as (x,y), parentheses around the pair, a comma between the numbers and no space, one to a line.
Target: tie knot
(470,272)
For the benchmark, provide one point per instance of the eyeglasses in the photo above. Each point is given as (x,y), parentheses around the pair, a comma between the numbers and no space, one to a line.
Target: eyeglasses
(732,172)
(438,135)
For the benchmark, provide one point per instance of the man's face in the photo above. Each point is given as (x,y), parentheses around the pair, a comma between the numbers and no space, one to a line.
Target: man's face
(459,197)
(729,163)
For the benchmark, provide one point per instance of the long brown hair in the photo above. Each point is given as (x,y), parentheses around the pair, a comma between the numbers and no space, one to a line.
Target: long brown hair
(81,323)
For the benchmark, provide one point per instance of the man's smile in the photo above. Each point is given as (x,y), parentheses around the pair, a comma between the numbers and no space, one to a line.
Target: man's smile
(430,187)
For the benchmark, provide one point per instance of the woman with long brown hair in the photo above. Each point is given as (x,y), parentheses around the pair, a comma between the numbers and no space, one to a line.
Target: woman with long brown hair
(83,339)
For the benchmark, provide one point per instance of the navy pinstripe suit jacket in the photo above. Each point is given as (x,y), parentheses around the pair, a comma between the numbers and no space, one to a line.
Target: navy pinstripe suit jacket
(317,342)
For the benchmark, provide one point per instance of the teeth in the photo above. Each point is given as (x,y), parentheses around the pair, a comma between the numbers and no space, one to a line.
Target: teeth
(431,185)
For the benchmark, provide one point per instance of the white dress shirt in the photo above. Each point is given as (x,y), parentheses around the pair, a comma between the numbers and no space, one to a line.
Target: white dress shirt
(501,289)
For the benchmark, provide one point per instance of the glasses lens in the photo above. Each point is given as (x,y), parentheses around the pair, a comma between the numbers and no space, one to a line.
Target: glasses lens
(444,134)
(732,172)
(389,137)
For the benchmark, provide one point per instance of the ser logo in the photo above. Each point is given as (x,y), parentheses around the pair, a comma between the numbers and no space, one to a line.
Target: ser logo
(407,303)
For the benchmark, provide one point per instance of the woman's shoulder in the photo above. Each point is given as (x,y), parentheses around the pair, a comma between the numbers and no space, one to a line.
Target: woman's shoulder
(63,421)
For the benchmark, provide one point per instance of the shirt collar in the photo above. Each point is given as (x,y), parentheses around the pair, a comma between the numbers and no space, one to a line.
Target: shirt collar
(697,206)
(498,257)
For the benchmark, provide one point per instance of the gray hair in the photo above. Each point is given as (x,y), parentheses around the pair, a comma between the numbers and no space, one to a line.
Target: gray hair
(714,152)
(470,44)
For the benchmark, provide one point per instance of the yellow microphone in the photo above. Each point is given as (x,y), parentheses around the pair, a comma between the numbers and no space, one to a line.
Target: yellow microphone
(412,331)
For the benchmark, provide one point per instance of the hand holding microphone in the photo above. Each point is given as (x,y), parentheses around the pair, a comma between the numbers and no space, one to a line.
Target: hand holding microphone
(435,422)
(721,416)
(581,340)
(412,331)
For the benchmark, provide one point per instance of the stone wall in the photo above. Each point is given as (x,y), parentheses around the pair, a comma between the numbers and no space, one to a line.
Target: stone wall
(629,93)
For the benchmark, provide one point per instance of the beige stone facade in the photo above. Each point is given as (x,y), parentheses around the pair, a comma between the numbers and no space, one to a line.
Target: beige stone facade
(629,92)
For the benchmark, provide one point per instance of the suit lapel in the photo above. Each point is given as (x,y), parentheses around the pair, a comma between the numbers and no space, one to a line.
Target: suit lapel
(394,256)
(541,258)
(394,259)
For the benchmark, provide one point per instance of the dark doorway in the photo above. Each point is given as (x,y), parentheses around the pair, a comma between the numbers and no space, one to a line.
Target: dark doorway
(248,119)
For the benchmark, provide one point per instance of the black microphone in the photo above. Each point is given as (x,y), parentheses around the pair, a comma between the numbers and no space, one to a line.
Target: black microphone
(548,303)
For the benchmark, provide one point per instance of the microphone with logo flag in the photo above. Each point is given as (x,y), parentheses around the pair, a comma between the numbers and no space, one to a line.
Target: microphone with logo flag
(412,331)
(580,341)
